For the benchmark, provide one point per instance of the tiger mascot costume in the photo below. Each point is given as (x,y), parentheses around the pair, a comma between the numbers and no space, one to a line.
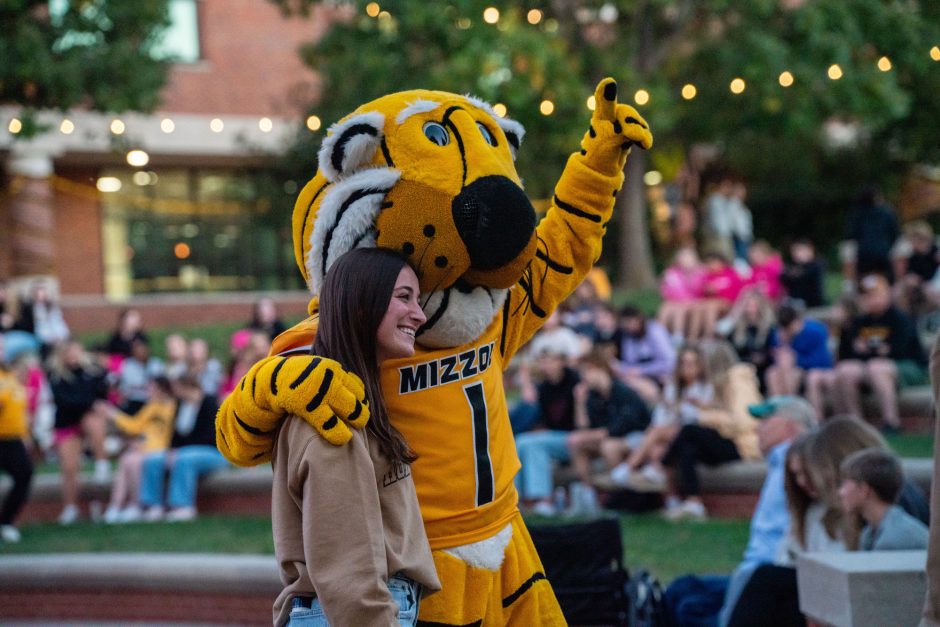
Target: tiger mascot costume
(431,174)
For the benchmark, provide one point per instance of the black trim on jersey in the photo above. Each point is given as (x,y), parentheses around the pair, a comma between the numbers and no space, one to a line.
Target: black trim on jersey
(481,444)
(431,623)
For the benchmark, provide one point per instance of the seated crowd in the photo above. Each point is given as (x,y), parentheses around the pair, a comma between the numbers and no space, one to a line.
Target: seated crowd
(652,398)
(152,419)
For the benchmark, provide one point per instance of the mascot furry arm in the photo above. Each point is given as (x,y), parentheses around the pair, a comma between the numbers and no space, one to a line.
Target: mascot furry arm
(566,244)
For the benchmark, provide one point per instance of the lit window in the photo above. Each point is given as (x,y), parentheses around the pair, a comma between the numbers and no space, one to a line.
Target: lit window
(180,41)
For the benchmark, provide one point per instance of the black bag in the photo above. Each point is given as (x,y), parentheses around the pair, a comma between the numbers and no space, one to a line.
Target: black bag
(646,601)
(584,564)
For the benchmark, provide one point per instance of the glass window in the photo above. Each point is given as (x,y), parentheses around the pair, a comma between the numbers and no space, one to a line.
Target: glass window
(179,42)
(192,230)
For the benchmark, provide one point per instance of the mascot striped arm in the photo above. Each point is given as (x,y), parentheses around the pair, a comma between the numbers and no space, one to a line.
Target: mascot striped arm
(432,174)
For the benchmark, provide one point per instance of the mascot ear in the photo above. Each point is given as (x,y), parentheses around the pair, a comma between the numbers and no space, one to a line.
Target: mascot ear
(351,144)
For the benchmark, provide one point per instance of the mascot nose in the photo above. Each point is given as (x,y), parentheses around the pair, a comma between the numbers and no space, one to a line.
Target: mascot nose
(495,220)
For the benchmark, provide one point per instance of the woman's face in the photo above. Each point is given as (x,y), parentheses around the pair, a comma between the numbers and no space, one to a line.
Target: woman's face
(395,337)
(690,366)
(73,355)
(795,465)
(752,308)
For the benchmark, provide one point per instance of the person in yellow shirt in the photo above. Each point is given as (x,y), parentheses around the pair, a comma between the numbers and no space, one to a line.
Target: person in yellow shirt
(14,457)
(151,429)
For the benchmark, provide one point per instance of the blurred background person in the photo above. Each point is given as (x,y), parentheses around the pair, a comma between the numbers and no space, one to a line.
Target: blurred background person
(803,275)
(882,349)
(176,356)
(150,430)
(752,331)
(206,368)
(916,260)
(192,453)
(43,317)
(14,446)
(137,371)
(646,357)
(720,290)
(246,349)
(129,328)
(266,320)
(873,228)
(802,357)
(77,383)
(604,409)
(766,268)
(680,289)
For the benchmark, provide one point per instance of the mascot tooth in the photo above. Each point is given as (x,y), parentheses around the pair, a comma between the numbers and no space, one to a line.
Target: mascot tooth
(432,174)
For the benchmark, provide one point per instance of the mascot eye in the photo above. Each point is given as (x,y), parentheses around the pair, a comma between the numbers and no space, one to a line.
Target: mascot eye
(486,134)
(437,133)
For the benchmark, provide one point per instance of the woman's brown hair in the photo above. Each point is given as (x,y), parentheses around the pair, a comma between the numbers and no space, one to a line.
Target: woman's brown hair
(798,501)
(353,300)
(835,440)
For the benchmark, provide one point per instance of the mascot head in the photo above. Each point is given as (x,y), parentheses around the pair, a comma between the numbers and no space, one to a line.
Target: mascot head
(429,174)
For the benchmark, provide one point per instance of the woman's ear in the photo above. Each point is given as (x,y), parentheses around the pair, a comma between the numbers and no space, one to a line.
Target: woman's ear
(350,145)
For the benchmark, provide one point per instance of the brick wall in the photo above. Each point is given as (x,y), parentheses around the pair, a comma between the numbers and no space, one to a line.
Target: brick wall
(250,63)
(78,256)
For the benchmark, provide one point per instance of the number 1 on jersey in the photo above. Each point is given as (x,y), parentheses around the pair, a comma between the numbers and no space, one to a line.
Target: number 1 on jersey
(481,443)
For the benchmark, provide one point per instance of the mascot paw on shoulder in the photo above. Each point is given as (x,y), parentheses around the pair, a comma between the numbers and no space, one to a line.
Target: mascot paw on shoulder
(432,174)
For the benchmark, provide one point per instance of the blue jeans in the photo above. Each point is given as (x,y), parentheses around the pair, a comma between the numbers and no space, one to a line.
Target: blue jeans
(187,464)
(523,416)
(694,601)
(537,450)
(405,592)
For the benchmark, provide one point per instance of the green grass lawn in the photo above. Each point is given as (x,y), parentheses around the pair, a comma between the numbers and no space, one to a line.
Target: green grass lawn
(667,549)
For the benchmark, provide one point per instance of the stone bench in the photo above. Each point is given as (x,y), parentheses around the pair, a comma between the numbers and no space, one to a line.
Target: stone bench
(141,587)
(862,588)
(729,491)
(233,491)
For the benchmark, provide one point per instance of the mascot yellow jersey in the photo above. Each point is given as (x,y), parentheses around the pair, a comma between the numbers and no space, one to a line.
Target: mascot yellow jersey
(431,174)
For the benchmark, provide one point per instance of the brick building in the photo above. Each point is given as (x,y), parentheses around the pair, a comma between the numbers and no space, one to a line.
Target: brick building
(184,236)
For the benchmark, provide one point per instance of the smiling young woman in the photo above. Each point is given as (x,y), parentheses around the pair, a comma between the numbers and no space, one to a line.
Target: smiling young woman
(373,567)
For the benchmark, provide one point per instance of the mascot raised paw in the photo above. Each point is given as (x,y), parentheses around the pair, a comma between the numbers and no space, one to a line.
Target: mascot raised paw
(431,174)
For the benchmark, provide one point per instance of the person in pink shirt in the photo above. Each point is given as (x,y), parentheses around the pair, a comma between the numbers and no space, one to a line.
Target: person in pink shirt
(681,287)
(720,288)
(766,269)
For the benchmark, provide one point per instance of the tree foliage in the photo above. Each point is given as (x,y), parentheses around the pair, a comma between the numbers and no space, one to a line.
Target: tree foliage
(775,136)
(85,53)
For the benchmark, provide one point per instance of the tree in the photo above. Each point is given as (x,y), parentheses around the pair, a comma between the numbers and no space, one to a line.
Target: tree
(98,54)
(556,50)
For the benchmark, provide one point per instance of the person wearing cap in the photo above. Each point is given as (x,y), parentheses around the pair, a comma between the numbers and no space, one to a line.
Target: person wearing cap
(802,358)
(783,419)
(880,348)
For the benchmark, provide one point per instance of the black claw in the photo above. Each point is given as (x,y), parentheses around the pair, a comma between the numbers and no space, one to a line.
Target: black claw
(617,127)
(610,91)
(583,151)
(626,144)
(591,132)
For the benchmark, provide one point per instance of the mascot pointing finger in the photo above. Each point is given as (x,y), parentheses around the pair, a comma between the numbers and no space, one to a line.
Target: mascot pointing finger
(431,174)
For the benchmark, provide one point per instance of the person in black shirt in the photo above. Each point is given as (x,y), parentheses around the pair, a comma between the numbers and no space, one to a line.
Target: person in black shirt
(803,276)
(192,453)
(129,329)
(547,441)
(874,228)
(76,384)
(604,408)
(916,265)
(880,347)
